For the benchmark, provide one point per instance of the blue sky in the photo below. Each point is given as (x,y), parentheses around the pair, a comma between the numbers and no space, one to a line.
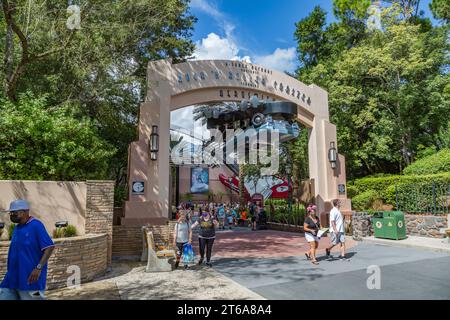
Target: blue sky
(259,31)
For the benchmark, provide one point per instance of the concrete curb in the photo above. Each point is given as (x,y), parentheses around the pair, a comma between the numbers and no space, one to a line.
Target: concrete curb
(438,247)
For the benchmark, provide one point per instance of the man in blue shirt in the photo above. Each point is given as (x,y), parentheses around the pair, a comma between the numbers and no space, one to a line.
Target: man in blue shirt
(29,251)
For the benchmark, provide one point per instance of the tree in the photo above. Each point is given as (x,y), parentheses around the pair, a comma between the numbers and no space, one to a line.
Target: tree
(386,96)
(100,68)
(49,145)
(309,34)
(441,9)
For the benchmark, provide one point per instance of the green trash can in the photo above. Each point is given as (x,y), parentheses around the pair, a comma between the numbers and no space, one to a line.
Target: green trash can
(389,225)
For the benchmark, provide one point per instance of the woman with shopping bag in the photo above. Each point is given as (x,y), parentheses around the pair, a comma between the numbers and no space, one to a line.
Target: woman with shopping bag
(182,237)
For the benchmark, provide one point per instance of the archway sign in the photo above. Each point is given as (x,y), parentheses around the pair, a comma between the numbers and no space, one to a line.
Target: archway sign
(173,86)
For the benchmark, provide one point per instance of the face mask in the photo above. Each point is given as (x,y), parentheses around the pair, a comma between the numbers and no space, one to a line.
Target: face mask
(204,215)
(14,218)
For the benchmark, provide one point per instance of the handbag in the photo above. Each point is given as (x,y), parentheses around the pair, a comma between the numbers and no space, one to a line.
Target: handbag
(188,254)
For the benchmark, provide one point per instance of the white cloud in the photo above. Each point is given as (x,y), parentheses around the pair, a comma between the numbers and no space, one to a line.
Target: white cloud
(280,60)
(215,47)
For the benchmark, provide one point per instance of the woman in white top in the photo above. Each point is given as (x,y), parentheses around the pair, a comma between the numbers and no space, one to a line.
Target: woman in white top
(182,236)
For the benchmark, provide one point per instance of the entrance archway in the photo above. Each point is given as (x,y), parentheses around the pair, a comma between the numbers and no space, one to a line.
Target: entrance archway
(172,86)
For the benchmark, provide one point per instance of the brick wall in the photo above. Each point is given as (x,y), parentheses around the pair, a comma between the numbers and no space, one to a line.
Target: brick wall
(89,252)
(127,240)
(99,210)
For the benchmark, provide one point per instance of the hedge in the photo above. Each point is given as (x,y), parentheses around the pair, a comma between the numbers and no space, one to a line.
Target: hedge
(364,200)
(435,163)
(384,188)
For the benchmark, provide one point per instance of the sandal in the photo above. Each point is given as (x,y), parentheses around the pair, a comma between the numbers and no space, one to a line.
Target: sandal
(308,257)
(315,262)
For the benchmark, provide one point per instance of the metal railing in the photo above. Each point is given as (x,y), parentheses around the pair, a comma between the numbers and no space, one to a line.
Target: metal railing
(430,197)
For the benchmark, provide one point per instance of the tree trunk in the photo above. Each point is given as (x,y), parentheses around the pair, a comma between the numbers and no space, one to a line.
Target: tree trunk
(9,57)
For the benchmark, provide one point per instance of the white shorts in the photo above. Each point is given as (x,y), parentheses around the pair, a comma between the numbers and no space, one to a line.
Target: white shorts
(310,238)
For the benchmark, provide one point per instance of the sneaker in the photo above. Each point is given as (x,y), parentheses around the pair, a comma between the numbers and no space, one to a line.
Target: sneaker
(209,264)
(307,256)
(177,264)
(186,267)
(200,261)
(343,258)
(327,252)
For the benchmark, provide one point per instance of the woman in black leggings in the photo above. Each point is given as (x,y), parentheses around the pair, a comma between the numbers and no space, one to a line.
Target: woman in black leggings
(206,236)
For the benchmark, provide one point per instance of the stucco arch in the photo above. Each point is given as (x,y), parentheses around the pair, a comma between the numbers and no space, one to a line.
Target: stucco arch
(172,86)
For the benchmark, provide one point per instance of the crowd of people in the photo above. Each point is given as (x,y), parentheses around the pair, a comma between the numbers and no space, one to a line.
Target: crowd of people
(209,217)
(227,215)
(212,216)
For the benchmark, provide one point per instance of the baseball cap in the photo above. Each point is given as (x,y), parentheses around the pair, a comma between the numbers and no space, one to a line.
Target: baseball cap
(18,205)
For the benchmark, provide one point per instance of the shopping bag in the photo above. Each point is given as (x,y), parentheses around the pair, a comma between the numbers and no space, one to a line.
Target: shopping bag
(188,254)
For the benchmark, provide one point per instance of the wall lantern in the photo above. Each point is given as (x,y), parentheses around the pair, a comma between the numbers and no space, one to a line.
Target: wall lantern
(61,224)
(154,143)
(332,155)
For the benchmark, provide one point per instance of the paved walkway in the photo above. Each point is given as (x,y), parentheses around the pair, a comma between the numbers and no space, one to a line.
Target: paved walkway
(269,264)
(129,281)
(244,243)
(406,273)
(438,245)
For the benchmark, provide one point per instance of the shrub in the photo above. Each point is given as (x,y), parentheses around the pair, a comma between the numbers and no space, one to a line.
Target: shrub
(351,191)
(39,141)
(66,232)
(414,192)
(385,186)
(364,200)
(435,163)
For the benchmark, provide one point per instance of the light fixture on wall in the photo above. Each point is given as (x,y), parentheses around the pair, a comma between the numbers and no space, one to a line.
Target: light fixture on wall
(332,155)
(154,143)
(61,224)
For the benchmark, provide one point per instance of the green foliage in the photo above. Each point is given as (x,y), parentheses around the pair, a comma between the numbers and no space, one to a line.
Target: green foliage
(120,195)
(66,232)
(11,228)
(364,200)
(388,89)
(436,163)
(415,192)
(40,142)
(100,69)
(281,214)
(441,9)
(187,196)
(309,33)
(351,191)
(357,8)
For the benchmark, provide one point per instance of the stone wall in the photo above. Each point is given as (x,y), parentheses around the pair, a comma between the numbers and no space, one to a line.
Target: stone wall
(88,252)
(423,225)
(127,240)
(99,210)
(426,225)
(361,225)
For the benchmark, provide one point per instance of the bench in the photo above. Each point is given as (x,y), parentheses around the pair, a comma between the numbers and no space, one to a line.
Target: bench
(157,260)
